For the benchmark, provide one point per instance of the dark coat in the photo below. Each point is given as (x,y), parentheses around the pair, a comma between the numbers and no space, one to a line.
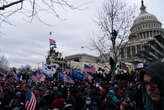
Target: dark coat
(156,70)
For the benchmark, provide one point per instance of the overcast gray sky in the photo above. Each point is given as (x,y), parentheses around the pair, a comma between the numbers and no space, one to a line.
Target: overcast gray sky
(27,43)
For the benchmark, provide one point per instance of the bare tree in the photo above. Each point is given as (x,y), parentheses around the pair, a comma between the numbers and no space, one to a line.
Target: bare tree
(3,64)
(32,8)
(25,68)
(114,22)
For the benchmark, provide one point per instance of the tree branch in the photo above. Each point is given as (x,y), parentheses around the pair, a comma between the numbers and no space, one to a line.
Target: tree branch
(10,4)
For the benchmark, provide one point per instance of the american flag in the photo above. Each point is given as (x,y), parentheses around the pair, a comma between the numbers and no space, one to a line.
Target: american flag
(52,43)
(93,69)
(30,100)
(89,69)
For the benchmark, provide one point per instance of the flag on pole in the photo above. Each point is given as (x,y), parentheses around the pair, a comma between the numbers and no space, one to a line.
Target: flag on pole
(52,43)
(30,100)
(77,75)
(68,79)
(64,77)
(93,69)
(89,69)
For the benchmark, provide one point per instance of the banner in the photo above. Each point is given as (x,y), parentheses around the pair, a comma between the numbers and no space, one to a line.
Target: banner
(48,70)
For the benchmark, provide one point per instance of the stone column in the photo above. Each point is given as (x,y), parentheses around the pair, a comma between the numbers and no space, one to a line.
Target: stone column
(153,33)
(125,51)
(148,33)
(131,51)
(136,49)
(143,37)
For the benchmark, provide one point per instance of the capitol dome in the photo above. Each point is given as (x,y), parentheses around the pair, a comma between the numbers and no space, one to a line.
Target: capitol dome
(145,41)
(145,20)
(145,17)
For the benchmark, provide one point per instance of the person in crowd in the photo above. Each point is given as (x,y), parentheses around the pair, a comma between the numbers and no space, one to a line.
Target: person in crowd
(127,104)
(99,93)
(58,103)
(153,87)
(16,103)
(90,104)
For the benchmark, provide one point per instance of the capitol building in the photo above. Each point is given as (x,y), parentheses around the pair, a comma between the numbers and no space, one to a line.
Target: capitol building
(146,40)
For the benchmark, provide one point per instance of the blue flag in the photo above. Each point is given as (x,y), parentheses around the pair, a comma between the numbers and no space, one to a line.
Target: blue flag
(60,76)
(64,77)
(77,75)
(68,79)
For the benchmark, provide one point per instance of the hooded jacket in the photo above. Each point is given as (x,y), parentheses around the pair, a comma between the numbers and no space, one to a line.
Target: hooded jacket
(156,71)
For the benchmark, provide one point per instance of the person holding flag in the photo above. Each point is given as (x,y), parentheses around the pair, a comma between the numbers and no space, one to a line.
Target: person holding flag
(30,103)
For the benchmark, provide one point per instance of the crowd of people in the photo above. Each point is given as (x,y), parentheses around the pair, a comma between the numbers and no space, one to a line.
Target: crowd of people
(140,90)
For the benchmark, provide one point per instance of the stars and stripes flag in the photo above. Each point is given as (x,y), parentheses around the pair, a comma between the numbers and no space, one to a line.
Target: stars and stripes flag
(30,100)
(93,69)
(89,69)
(52,42)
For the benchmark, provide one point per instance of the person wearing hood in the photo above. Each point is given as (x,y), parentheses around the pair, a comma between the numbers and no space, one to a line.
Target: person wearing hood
(16,103)
(153,87)
(110,101)
(90,104)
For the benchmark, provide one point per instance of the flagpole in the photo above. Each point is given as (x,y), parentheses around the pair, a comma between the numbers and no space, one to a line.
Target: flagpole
(50,35)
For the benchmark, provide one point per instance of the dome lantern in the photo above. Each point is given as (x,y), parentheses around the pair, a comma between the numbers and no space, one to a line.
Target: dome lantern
(143,8)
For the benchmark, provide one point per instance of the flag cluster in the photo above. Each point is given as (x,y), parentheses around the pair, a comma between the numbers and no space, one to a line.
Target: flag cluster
(89,69)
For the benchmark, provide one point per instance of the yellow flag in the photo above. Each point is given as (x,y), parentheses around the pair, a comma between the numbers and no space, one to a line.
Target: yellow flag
(60,54)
